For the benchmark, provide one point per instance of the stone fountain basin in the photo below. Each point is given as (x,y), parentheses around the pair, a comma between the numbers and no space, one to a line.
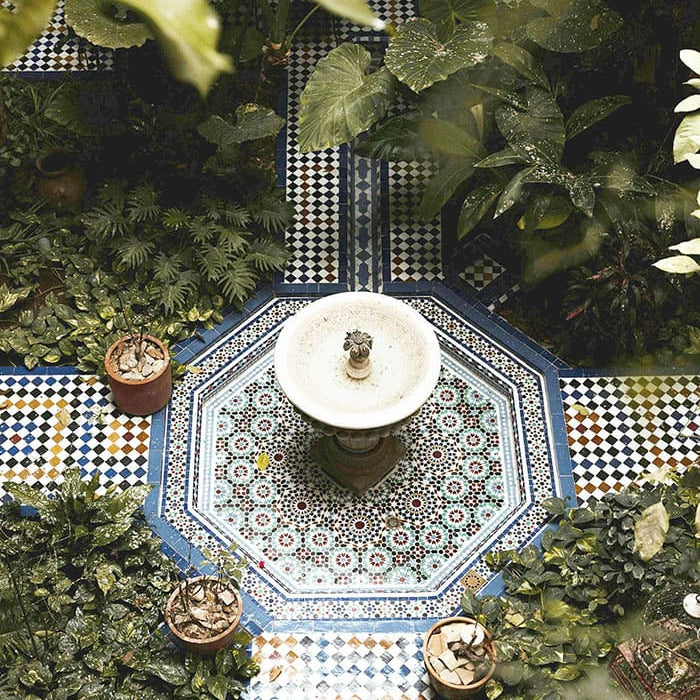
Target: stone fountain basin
(310,362)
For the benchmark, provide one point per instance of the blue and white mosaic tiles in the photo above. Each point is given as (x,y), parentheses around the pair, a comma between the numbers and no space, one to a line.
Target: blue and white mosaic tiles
(55,51)
(621,427)
(340,666)
(479,458)
(50,421)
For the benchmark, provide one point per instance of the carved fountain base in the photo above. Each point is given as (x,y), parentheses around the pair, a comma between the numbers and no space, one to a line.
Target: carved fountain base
(357,470)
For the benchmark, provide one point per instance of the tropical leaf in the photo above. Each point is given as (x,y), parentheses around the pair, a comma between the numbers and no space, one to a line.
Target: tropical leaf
(340,99)
(96,21)
(686,140)
(142,203)
(475,206)
(512,191)
(507,156)
(27,496)
(446,14)
(252,122)
(544,210)
(21,26)
(267,255)
(690,247)
(133,251)
(580,189)
(537,134)
(442,186)
(678,264)
(188,33)
(522,61)
(691,58)
(418,58)
(357,11)
(689,104)
(441,136)
(592,112)
(396,139)
(613,171)
(572,25)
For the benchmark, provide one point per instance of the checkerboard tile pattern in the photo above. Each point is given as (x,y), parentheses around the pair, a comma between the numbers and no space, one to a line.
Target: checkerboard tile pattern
(621,427)
(50,422)
(52,51)
(482,272)
(313,186)
(330,666)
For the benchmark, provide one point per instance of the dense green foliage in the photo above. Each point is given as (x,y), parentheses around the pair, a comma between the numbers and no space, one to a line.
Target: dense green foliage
(83,586)
(569,604)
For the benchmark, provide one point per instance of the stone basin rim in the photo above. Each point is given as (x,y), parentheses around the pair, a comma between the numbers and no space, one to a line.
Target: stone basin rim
(296,388)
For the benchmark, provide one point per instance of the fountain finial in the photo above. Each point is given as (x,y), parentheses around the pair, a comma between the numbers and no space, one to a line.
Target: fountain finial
(359,344)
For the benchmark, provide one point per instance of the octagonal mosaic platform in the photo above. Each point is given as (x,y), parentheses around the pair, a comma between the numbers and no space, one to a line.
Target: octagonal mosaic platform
(479,457)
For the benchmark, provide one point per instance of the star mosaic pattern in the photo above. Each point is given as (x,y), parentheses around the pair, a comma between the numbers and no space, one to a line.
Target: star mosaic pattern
(345,666)
(51,421)
(623,427)
(53,51)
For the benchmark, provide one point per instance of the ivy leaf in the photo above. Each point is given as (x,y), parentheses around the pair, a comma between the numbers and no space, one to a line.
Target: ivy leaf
(104,575)
(19,28)
(554,506)
(522,61)
(340,99)
(475,206)
(593,111)
(8,298)
(572,25)
(171,670)
(418,58)
(650,531)
(218,686)
(95,21)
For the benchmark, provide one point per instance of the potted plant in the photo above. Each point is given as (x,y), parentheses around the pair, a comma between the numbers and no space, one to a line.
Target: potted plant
(459,656)
(60,180)
(203,612)
(138,368)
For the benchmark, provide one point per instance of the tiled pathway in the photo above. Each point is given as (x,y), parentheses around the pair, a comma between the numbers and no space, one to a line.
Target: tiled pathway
(341,587)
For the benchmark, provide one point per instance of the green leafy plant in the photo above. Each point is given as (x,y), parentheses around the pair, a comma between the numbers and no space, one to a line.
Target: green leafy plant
(568,605)
(88,583)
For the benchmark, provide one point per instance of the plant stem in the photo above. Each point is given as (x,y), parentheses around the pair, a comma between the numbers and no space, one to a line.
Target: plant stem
(302,23)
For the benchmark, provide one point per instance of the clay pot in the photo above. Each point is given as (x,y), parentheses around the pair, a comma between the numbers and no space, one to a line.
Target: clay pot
(456,691)
(60,181)
(139,397)
(207,645)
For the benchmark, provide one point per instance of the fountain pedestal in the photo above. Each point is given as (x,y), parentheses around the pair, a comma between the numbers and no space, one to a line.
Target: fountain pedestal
(357,366)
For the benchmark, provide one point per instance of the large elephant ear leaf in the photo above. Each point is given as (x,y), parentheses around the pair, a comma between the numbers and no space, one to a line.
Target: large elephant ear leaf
(188,33)
(341,99)
(96,21)
(418,58)
(572,25)
(536,134)
(19,28)
(446,14)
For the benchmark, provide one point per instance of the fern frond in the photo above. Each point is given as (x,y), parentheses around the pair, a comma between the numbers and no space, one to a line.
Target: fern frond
(106,220)
(112,191)
(235,216)
(132,251)
(166,268)
(174,218)
(142,203)
(268,255)
(202,230)
(237,281)
(212,261)
(273,214)
(231,241)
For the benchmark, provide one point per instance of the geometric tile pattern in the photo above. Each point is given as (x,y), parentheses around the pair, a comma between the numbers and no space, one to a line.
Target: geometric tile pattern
(621,427)
(51,421)
(313,187)
(340,666)
(74,54)
(482,272)
(396,558)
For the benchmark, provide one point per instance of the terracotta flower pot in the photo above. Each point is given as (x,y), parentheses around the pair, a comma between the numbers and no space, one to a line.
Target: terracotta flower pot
(60,181)
(139,397)
(205,645)
(451,690)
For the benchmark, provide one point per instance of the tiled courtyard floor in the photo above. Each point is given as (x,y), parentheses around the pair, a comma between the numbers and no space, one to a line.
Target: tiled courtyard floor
(341,587)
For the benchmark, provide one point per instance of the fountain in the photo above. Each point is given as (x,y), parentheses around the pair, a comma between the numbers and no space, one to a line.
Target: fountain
(357,366)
